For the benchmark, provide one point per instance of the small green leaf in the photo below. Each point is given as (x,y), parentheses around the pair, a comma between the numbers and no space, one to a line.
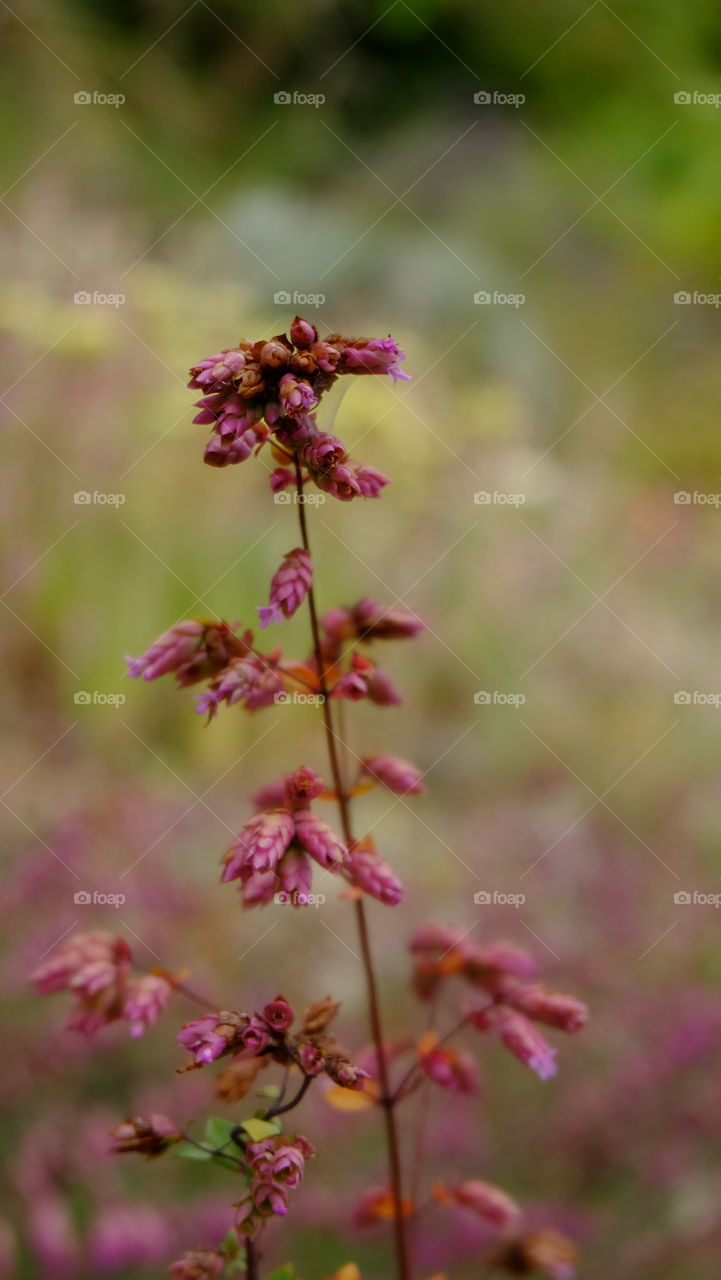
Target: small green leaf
(258,1129)
(189,1152)
(269,1091)
(218,1131)
(230,1244)
(286,1272)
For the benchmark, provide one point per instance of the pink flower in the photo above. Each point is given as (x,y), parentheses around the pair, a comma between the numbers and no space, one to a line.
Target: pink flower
(170,652)
(289,587)
(382,690)
(452,1069)
(253,681)
(260,845)
(372,621)
(371,874)
(378,355)
(200,1038)
(214,372)
(319,839)
(254,1035)
(200,1264)
(145,999)
(489,1202)
(94,967)
(278,1014)
(269,1199)
(281,478)
(303,334)
(526,1043)
(302,786)
(286,1166)
(226,453)
(296,395)
(395,774)
(322,454)
(550,1007)
(370,481)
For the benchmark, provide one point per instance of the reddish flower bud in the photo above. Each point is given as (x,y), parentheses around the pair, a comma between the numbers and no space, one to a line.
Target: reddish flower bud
(288,588)
(278,1014)
(526,1043)
(303,334)
(395,774)
(551,1007)
(489,1202)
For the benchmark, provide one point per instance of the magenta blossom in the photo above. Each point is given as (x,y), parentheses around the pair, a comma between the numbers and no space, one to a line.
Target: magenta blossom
(145,999)
(395,774)
(199,1037)
(371,874)
(526,1043)
(288,588)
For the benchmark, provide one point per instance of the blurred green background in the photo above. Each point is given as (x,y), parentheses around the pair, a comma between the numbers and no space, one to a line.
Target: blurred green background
(593,399)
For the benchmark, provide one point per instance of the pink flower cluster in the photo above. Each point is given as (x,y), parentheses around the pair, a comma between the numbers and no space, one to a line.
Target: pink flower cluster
(272,388)
(266,1035)
(271,855)
(199,649)
(276,1167)
(513,1003)
(96,968)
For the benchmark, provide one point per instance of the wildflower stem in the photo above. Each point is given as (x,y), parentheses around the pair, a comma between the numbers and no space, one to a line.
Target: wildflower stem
(251,1260)
(387,1099)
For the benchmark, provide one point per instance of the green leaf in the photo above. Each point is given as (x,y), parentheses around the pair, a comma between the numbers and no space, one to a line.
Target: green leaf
(218,1131)
(286,1272)
(258,1129)
(230,1244)
(269,1091)
(189,1152)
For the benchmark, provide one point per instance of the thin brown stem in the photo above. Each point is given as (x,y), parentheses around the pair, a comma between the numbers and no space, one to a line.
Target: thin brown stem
(251,1260)
(387,1100)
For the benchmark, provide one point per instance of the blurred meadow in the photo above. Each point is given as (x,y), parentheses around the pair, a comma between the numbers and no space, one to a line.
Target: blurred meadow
(578,396)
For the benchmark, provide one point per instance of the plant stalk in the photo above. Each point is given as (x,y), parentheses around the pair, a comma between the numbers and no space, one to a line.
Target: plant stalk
(387,1100)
